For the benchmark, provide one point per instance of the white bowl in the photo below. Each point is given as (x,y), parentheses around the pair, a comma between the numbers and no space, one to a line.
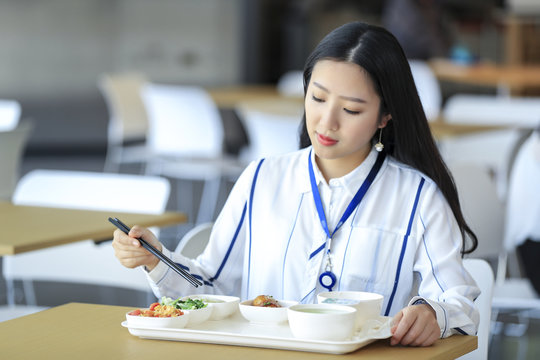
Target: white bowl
(368,305)
(176,322)
(222,306)
(265,315)
(326,322)
(198,316)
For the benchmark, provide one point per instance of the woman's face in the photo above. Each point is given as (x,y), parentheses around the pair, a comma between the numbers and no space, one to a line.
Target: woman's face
(342,115)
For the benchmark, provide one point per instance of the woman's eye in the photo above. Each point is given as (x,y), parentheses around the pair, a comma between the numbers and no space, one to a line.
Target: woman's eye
(316,98)
(352,112)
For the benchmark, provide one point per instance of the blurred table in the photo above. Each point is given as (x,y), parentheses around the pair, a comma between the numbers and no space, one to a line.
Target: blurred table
(86,331)
(231,96)
(507,78)
(26,228)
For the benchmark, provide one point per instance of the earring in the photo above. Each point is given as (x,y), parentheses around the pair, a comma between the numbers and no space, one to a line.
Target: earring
(379,146)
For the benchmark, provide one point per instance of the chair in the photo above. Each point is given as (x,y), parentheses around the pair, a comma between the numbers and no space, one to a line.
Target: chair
(515,112)
(489,149)
(291,84)
(128,122)
(428,88)
(523,208)
(482,274)
(185,139)
(485,213)
(10,113)
(194,241)
(272,127)
(12,146)
(82,262)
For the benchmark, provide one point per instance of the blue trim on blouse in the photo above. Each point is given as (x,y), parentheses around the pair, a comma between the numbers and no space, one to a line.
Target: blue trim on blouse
(229,250)
(249,219)
(404,247)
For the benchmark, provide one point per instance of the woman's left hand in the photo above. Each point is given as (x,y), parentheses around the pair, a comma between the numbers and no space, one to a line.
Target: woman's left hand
(415,325)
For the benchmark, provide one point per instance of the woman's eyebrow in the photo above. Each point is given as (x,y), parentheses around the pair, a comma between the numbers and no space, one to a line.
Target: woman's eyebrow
(350,98)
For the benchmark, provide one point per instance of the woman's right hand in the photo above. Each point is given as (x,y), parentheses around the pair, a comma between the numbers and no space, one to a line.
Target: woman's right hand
(129,251)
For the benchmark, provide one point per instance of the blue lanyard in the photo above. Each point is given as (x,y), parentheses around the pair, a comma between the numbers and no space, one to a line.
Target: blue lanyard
(355,200)
(328,279)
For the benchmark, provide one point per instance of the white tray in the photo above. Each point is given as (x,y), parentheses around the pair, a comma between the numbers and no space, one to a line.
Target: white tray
(235,330)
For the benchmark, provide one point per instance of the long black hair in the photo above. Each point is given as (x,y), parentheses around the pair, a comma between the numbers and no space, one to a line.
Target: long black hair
(407,136)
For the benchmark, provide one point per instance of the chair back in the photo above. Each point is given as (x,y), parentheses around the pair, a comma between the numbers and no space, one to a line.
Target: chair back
(85,261)
(492,110)
(291,83)
(194,242)
(482,208)
(10,113)
(184,121)
(482,274)
(428,88)
(12,145)
(127,114)
(272,127)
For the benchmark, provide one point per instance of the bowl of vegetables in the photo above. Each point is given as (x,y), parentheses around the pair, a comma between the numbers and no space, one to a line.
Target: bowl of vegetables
(157,316)
(222,306)
(198,309)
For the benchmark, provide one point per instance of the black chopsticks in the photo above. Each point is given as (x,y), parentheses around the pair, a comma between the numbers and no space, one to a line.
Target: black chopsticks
(190,278)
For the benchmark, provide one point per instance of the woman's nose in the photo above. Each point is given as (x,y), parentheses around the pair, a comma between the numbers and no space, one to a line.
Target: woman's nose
(329,119)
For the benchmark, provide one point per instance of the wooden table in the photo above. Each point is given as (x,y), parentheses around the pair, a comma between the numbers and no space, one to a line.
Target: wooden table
(505,77)
(85,331)
(26,228)
(230,97)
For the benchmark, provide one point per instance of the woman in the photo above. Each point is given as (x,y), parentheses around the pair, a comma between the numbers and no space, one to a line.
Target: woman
(343,213)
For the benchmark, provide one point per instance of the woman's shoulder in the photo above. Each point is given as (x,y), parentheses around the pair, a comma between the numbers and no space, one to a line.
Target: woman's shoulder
(406,171)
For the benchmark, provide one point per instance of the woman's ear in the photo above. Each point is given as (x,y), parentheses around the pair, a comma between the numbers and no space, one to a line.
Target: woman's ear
(384,120)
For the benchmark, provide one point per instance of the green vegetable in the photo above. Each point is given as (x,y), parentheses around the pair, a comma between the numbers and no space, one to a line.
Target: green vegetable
(188,304)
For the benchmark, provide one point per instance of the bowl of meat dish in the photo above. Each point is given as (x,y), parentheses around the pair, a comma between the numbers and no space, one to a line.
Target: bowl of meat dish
(367,304)
(222,306)
(322,322)
(157,316)
(264,309)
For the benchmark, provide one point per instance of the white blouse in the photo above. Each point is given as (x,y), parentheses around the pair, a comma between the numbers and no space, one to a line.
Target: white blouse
(402,241)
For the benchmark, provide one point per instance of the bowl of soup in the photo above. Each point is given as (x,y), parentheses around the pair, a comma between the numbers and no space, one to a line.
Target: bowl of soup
(326,322)
(367,304)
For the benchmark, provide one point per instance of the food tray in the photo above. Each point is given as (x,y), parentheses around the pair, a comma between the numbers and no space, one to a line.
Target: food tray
(235,330)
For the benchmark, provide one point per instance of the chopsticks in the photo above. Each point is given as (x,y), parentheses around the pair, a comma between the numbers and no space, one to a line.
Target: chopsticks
(190,278)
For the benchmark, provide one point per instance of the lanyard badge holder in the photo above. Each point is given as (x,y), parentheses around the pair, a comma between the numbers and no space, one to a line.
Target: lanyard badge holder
(328,279)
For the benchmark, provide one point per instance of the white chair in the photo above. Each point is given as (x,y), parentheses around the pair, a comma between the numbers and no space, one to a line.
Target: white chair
(83,262)
(12,146)
(194,241)
(185,139)
(10,113)
(516,112)
(482,273)
(272,127)
(128,122)
(428,88)
(485,213)
(489,149)
(291,84)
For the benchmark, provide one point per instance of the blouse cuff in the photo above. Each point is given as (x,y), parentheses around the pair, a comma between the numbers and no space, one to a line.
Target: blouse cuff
(158,273)
(439,312)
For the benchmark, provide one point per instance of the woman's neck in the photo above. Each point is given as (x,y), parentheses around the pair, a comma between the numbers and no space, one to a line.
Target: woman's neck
(336,168)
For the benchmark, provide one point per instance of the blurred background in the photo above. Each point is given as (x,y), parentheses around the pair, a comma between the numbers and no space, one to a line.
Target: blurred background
(56,55)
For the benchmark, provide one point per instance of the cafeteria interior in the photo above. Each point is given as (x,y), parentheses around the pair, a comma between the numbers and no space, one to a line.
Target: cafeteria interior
(62,58)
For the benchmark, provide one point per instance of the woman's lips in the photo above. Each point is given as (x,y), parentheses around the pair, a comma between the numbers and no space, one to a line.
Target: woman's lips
(325,140)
